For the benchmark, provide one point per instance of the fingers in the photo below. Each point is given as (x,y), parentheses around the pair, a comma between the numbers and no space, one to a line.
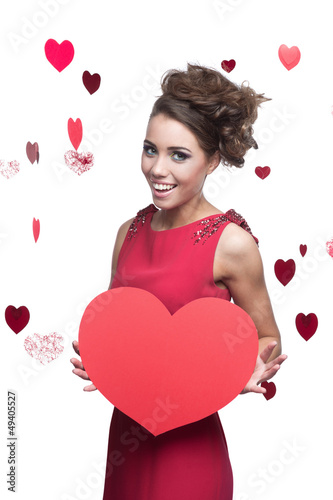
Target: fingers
(89,388)
(75,345)
(81,373)
(265,354)
(77,363)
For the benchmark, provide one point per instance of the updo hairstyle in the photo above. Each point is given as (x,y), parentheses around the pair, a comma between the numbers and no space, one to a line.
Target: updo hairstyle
(217,111)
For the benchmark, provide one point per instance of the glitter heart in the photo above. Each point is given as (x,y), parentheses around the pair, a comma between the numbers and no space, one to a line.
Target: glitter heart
(10,169)
(329,247)
(79,162)
(45,348)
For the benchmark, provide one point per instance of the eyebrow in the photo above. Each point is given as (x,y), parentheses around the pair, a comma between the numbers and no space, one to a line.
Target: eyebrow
(169,148)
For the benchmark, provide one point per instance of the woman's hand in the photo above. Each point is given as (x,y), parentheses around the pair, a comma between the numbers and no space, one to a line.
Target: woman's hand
(264,371)
(79,368)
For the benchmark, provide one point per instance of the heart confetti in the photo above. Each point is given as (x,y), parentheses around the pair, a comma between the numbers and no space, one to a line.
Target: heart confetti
(262,172)
(200,358)
(91,82)
(32,152)
(36,229)
(306,325)
(289,57)
(303,249)
(228,65)
(270,389)
(329,247)
(75,132)
(59,55)
(285,271)
(17,319)
(45,348)
(79,162)
(9,169)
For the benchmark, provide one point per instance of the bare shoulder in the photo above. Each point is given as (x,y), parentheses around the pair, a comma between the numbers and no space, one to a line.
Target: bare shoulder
(237,252)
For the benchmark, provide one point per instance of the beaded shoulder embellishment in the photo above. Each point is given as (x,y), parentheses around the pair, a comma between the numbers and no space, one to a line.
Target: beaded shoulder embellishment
(211,225)
(140,218)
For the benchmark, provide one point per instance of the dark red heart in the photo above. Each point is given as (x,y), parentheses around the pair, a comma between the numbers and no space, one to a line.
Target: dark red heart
(306,325)
(17,319)
(91,82)
(143,359)
(285,271)
(303,249)
(32,152)
(59,55)
(270,389)
(262,172)
(228,65)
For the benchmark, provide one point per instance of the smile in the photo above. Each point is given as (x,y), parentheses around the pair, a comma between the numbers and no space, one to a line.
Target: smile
(162,187)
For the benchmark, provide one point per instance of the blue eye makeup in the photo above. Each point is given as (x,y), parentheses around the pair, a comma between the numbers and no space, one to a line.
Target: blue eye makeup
(180,154)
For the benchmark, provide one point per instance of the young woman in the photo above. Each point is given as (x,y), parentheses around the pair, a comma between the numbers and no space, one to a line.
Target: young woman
(181,248)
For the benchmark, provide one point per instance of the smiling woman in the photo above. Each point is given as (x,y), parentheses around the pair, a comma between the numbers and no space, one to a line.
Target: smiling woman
(181,248)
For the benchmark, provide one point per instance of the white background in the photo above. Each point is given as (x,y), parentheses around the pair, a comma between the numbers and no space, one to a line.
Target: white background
(62,431)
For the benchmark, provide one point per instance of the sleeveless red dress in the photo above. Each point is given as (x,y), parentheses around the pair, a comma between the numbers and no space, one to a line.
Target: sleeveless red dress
(192,461)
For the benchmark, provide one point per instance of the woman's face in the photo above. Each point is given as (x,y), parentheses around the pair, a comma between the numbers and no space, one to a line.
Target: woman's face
(171,157)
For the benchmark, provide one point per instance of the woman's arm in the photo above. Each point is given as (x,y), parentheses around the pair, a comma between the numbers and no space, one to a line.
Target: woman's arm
(240,268)
(78,366)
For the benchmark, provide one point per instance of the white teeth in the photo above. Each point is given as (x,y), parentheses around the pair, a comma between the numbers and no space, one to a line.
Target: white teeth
(163,186)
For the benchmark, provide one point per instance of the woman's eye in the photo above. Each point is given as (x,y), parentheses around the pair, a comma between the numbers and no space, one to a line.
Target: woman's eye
(147,148)
(182,155)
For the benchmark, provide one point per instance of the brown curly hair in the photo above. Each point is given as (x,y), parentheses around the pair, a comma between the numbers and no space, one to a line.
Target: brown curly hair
(218,112)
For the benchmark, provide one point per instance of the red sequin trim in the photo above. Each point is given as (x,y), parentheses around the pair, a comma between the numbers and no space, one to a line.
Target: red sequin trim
(211,225)
(140,218)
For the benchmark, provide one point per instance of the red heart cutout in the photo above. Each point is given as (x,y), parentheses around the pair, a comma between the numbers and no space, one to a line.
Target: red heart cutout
(285,271)
(270,389)
(228,65)
(32,152)
(36,229)
(145,360)
(45,348)
(306,325)
(303,249)
(289,57)
(17,319)
(262,172)
(75,132)
(91,82)
(60,56)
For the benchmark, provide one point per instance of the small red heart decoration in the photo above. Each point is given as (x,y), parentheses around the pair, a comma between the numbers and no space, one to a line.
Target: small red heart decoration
(285,271)
(75,132)
(146,361)
(45,348)
(228,65)
(289,57)
(91,82)
(270,389)
(306,325)
(262,172)
(303,249)
(36,229)
(32,152)
(59,55)
(17,319)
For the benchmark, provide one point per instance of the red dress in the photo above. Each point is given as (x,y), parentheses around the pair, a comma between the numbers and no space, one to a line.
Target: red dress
(192,461)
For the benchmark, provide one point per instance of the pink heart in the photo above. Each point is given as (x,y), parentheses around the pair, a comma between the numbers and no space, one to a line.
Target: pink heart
(45,348)
(75,132)
(289,57)
(59,55)
(36,229)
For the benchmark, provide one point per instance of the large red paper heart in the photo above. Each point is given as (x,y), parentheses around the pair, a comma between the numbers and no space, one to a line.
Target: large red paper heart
(285,271)
(164,370)
(59,55)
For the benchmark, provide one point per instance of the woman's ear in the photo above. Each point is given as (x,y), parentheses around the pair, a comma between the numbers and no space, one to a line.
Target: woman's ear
(214,162)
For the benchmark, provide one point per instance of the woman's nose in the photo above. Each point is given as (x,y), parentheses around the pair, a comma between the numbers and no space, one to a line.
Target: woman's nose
(159,167)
